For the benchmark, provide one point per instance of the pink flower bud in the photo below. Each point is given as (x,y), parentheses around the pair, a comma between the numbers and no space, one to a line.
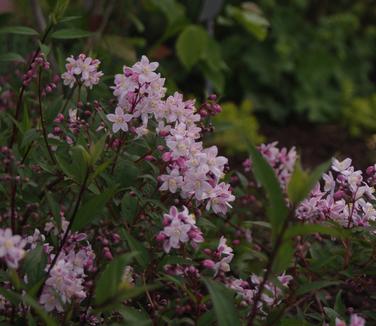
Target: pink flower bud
(164,133)
(167,156)
(149,158)
(207,251)
(208,263)
(160,237)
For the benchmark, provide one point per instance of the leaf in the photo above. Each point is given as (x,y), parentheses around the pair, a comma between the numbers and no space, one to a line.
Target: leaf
(108,284)
(134,317)
(92,208)
(252,21)
(11,56)
(339,306)
(223,303)
(129,207)
(20,30)
(277,210)
(313,286)
(303,229)
(97,149)
(15,298)
(284,257)
(70,33)
(34,264)
(137,247)
(190,45)
(301,183)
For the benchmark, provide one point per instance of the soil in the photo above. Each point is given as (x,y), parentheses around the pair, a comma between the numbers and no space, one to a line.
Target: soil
(317,143)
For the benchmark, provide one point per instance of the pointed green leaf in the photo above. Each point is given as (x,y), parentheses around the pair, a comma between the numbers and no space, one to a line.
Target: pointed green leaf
(223,303)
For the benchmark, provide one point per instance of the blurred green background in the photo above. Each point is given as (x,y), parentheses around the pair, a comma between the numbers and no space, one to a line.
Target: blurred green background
(299,71)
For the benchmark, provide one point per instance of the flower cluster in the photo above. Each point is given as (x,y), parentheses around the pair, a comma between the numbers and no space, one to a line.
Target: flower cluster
(82,70)
(194,170)
(344,197)
(281,160)
(39,62)
(66,281)
(11,248)
(179,227)
(271,294)
(355,320)
(220,258)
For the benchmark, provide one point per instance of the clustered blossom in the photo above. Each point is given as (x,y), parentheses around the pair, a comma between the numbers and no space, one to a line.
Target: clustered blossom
(280,159)
(39,62)
(11,248)
(82,70)
(66,281)
(271,295)
(192,170)
(221,258)
(355,320)
(179,228)
(344,197)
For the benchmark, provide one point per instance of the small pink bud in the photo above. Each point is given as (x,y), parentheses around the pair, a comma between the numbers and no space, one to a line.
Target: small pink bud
(164,133)
(108,255)
(149,158)
(212,97)
(208,263)
(207,251)
(160,148)
(160,237)
(167,156)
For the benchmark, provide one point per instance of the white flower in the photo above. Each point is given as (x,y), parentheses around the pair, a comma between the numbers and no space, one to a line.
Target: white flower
(341,166)
(119,120)
(11,248)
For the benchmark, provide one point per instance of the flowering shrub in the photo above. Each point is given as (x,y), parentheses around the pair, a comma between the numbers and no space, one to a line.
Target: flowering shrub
(114,211)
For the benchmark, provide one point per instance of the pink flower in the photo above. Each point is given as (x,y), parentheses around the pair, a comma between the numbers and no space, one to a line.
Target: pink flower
(145,70)
(119,120)
(82,70)
(11,248)
(179,228)
(341,166)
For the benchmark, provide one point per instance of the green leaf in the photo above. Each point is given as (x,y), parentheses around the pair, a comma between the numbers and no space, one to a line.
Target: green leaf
(134,317)
(97,149)
(284,257)
(20,30)
(190,45)
(34,264)
(70,33)
(11,56)
(92,208)
(223,303)
(137,247)
(59,10)
(304,229)
(108,284)
(15,298)
(252,21)
(277,210)
(314,286)
(129,207)
(301,183)
(339,306)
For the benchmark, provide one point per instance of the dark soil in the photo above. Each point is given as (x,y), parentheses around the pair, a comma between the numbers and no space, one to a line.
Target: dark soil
(317,143)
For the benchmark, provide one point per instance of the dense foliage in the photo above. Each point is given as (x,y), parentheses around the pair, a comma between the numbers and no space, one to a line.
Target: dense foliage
(118,209)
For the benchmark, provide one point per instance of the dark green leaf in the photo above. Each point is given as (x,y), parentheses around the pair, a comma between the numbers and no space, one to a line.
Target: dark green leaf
(137,247)
(109,282)
(20,30)
(314,286)
(223,303)
(277,210)
(70,33)
(11,56)
(190,45)
(92,208)
(129,208)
